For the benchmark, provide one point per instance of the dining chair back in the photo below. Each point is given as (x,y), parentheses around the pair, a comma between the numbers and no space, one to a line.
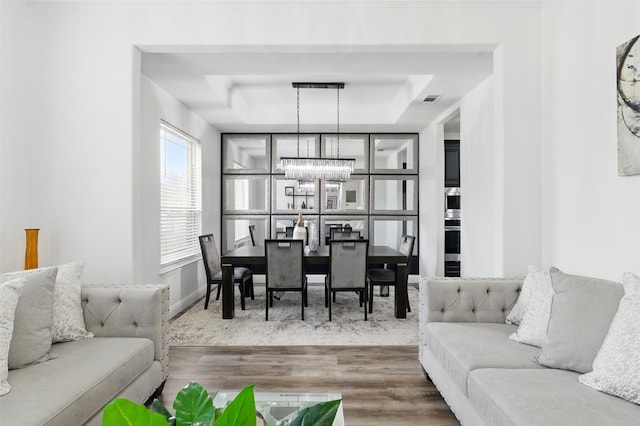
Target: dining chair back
(347,270)
(285,269)
(346,234)
(252,232)
(213,271)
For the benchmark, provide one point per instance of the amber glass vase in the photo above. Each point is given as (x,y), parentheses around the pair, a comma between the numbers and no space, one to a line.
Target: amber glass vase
(31,253)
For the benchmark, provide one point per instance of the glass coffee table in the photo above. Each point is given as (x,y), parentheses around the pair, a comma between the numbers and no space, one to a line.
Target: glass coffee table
(274,407)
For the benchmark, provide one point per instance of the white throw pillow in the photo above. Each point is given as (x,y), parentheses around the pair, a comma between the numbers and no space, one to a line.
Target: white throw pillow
(68,319)
(9,294)
(533,328)
(616,369)
(31,339)
(518,310)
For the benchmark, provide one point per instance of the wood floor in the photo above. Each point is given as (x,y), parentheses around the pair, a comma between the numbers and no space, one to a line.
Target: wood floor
(380,385)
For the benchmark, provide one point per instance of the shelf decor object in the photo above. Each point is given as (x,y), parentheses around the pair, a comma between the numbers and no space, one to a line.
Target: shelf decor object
(309,168)
(31,252)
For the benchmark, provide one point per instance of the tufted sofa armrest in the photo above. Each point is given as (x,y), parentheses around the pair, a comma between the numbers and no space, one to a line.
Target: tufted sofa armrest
(467,299)
(130,311)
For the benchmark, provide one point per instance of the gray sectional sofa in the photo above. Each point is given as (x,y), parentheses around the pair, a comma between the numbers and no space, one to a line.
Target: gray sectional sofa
(128,357)
(488,379)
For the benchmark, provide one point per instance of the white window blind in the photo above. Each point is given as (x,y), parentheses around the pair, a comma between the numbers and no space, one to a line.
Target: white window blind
(180,195)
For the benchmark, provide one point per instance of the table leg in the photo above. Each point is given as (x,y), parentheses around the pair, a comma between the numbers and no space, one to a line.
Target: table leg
(400,300)
(228,305)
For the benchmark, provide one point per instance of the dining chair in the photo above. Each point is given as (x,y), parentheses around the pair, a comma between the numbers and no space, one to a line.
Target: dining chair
(284,270)
(384,276)
(213,271)
(344,234)
(252,232)
(347,270)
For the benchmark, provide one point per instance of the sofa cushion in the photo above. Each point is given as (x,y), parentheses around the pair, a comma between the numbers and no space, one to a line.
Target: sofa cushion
(68,318)
(518,310)
(616,369)
(73,387)
(31,340)
(9,295)
(533,327)
(581,312)
(464,347)
(544,397)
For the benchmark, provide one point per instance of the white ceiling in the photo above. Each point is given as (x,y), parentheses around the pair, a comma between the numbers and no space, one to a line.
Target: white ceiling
(249,90)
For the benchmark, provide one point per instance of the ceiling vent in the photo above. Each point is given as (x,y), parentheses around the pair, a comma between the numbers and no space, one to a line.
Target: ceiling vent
(432,99)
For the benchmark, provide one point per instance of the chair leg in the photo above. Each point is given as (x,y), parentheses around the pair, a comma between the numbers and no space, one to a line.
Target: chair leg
(363,294)
(408,305)
(242,290)
(218,292)
(303,297)
(334,294)
(206,300)
(268,295)
(250,283)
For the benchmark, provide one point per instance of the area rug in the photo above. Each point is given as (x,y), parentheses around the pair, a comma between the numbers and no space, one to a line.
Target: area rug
(285,327)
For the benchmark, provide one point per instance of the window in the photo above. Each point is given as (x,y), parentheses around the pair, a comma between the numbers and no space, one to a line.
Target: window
(180,195)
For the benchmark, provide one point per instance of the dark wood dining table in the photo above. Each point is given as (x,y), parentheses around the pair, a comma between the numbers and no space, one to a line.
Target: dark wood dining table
(254,255)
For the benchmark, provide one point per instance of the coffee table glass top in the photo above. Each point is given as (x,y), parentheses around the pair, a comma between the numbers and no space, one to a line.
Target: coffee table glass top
(274,407)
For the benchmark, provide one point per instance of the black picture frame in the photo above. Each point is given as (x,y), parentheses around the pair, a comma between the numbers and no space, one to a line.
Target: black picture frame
(288,190)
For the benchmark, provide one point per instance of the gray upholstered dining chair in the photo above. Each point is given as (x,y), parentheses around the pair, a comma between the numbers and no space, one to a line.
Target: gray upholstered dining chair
(347,270)
(213,271)
(344,234)
(380,276)
(285,270)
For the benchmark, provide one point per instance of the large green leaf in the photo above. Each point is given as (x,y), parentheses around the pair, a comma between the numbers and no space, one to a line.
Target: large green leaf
(241,411)
(321,414)
(194,405)
(123,412)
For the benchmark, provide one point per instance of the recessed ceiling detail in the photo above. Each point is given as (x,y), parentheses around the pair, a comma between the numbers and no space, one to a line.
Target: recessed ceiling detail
(251,91)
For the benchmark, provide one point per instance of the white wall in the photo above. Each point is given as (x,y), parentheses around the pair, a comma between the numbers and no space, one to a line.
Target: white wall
(480,248)
(70,76)
(590,214)
(186,282)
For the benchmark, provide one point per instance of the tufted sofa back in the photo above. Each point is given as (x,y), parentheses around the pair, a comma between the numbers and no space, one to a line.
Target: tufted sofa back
(130,311)
(468,299)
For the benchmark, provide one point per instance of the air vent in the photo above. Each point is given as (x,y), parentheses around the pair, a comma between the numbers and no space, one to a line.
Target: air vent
(432,98)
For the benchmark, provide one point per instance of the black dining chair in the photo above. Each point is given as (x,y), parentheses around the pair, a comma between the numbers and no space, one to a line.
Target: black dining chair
(213,270)
(347,270)
(252,233)
(380,276)
(285,270)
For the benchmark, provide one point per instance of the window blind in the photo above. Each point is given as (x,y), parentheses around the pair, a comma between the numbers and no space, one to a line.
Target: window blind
(180,195)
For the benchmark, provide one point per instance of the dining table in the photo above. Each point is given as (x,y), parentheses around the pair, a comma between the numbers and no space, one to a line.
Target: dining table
(255,255)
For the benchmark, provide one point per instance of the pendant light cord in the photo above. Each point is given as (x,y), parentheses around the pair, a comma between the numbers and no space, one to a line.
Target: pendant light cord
(338,125)
(298,116)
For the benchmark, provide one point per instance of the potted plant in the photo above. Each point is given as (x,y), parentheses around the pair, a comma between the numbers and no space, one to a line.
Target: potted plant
(194,406)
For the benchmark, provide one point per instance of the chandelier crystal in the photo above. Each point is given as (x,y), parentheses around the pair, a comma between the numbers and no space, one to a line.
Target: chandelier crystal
(310,168)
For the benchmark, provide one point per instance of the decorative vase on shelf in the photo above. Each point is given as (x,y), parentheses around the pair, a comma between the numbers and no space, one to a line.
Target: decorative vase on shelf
(31,252)
(300,232)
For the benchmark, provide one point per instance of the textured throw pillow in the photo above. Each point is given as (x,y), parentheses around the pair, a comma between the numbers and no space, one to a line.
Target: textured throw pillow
(581,313)
(68,319)
(616,369)
(9,295)
(533,328)
(518,310)
(31,340)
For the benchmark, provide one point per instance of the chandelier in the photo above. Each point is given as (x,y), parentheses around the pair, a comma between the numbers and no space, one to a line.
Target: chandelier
(309,168)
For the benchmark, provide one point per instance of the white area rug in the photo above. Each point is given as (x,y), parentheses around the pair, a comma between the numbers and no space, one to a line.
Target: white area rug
(285,327)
